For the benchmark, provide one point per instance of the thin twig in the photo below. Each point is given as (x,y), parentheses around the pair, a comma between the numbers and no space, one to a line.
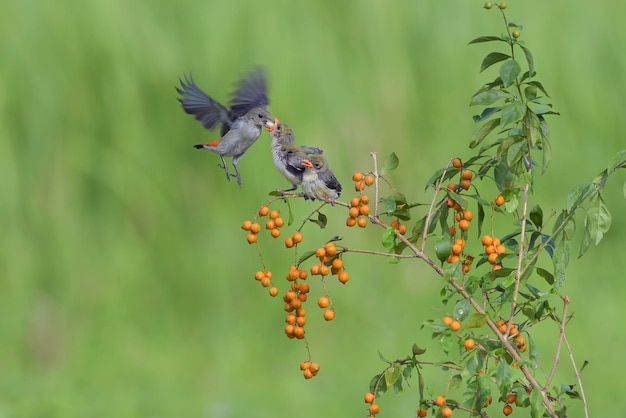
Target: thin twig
(578,379)
(374,157)
(520,258)
(432,204)
(557,355)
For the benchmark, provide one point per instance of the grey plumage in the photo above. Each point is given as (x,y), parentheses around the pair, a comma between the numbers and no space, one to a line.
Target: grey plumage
(318,182)
(241,124)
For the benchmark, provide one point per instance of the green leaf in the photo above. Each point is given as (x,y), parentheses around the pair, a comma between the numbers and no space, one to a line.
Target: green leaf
(536,404)
(512,112)
(477,320)
(482,39)
(443,249)
(455,382)
(530,92)
(392,374)
(417,350)
(389,204)
(547,276)
(504,377)
(291,217)
(515,152)
(493,58)
(486,113)
(576,195)
(560,261)
(421,383)
(487,97)
(539,86)
(547,153)
(529,59)
(598,218)
(509,72)
(305,256)
(586,240)
(462,309)
(536,216)
(618,161)
(391,163)
(321,220)
(275,193)
(389,237)
(483,131)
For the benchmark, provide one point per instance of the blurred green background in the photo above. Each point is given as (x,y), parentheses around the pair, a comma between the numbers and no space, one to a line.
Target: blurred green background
(127,286)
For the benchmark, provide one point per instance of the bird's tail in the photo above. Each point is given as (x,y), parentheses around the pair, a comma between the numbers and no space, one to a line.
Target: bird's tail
(209,144)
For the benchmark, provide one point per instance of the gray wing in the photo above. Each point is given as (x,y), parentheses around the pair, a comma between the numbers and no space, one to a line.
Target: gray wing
(311,150)
(331,181)
(205,110)
(251,93)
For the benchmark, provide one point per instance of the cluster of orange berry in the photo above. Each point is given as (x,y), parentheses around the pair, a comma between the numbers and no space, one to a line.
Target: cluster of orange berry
(457,251)
(398,226)
(520,341)
(330,262)
(446,411)
(273,224)
(309,369)
(361,181)
(452,323)
(511,398)
(493,248)
(294,298)
(374,409)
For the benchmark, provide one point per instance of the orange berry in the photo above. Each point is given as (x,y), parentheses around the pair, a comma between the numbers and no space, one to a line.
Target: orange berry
(302,274)
(369,397)
(464,225)
(507,410)
(279,222)
(514,365)
(305,365)
(492,258)
(365,199)
(455,326)
(301,312)
(324,270)
(246,225)
(323,302)
(355,202)
(421,413)
(460,241)
(500,249)
(359,186)
(289,242)
(315,368)
(270,224)
(488,401)
(465,184)
(513,331)
(320,252)
(469,344)
(468,215)
(440,401)
(290,319)
(496,242)
(297,237)
(331,248)
(351,221)
(343,277)
(274,214)
(255,228)
(447,320)
(259,275)
(457,249)
(453,259)
(374,409)
(402,229)
(467,175)
(511,398)
(298,332)
(490,250)
(466,267)
(452,231)
(273,291)
(301,320)
(395,224)
(353,212)
(364,210)
(486,240)
(302,297)
(275,232)
(456,163)
(452,187)
(329,315)
(357,176)
(266,281)
(499,200)
(369,180)
(307,374)
(446,412)
(264,210)
(315,269)
(520,340)
(303,288)
(450,202)
(362,222)
(251,238)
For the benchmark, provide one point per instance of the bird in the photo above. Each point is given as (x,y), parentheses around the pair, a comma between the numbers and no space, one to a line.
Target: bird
(241,124)
(287,156)
(318,182)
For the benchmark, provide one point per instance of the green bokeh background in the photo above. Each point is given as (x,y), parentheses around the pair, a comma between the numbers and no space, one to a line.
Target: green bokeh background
(127,286)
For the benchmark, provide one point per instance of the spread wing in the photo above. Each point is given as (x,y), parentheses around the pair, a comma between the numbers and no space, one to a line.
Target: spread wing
(205,110)
(251,93)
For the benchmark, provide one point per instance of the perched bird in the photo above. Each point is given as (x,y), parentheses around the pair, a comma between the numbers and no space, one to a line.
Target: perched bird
(318,182)
(241,125)
(288,157)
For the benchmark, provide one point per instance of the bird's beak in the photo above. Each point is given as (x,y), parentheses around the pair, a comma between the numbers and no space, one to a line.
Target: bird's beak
(307,163)
(270,126)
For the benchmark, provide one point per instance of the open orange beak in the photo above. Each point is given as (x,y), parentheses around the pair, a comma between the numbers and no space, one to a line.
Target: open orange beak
(270,126)
(307,163)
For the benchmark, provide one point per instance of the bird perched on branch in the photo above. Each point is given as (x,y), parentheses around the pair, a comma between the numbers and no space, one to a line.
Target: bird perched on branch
(288,157)
(318,182)
(241,125)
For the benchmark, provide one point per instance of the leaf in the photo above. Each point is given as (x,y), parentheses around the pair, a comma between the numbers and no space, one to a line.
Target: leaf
(515,153)
(536,216)
(509,72)
(512,112)
(504,377)
(455,382)
(486,113)
(421,383)
(461,309)
(539,86)
(391,163)
(560,261)
(320,221)
(487,97)
(483,131)
(536,403)
(618,161)
(305,256)
(392,374)
(291,217)
(598,218)
(482,39)
(417,350)
(389,237)
(443,249)
(530,92)
(586,240)
(576,195)
(493,58)
(275,193)
(547,276)
(547,153)
(529,59)
(389,205)
(477,320)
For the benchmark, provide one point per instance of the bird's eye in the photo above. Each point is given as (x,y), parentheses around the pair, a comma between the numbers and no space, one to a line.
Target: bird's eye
(318,164)
(260,116)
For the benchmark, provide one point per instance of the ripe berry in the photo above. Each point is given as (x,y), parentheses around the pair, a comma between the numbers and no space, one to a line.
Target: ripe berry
(468,215)
(315,368)
(307,374)
(255,228)
(455,326)
(402,229)
(279,222)
(357,176)
(246,225)
(365,199)
(446,412)
(456,163)
(486,240)
(297,237)
(511,398)
(465,184)
(369,180)
(364,210)
(273,291)
(359,186)
(320,252)
(351,221)
(374,409)
(467,175)
(355,202)
(343,277)
(329,315)
(331,248)
(447,320)
(440,401)
(305,365)
(264,210)
(507,410)
(251,238)
(499,200)
(362,222)
(289,243)
(274,214)
(338,263)
(353,212)
(421,413)
(275,232)
(369,397)
(464,225)
(469,344)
